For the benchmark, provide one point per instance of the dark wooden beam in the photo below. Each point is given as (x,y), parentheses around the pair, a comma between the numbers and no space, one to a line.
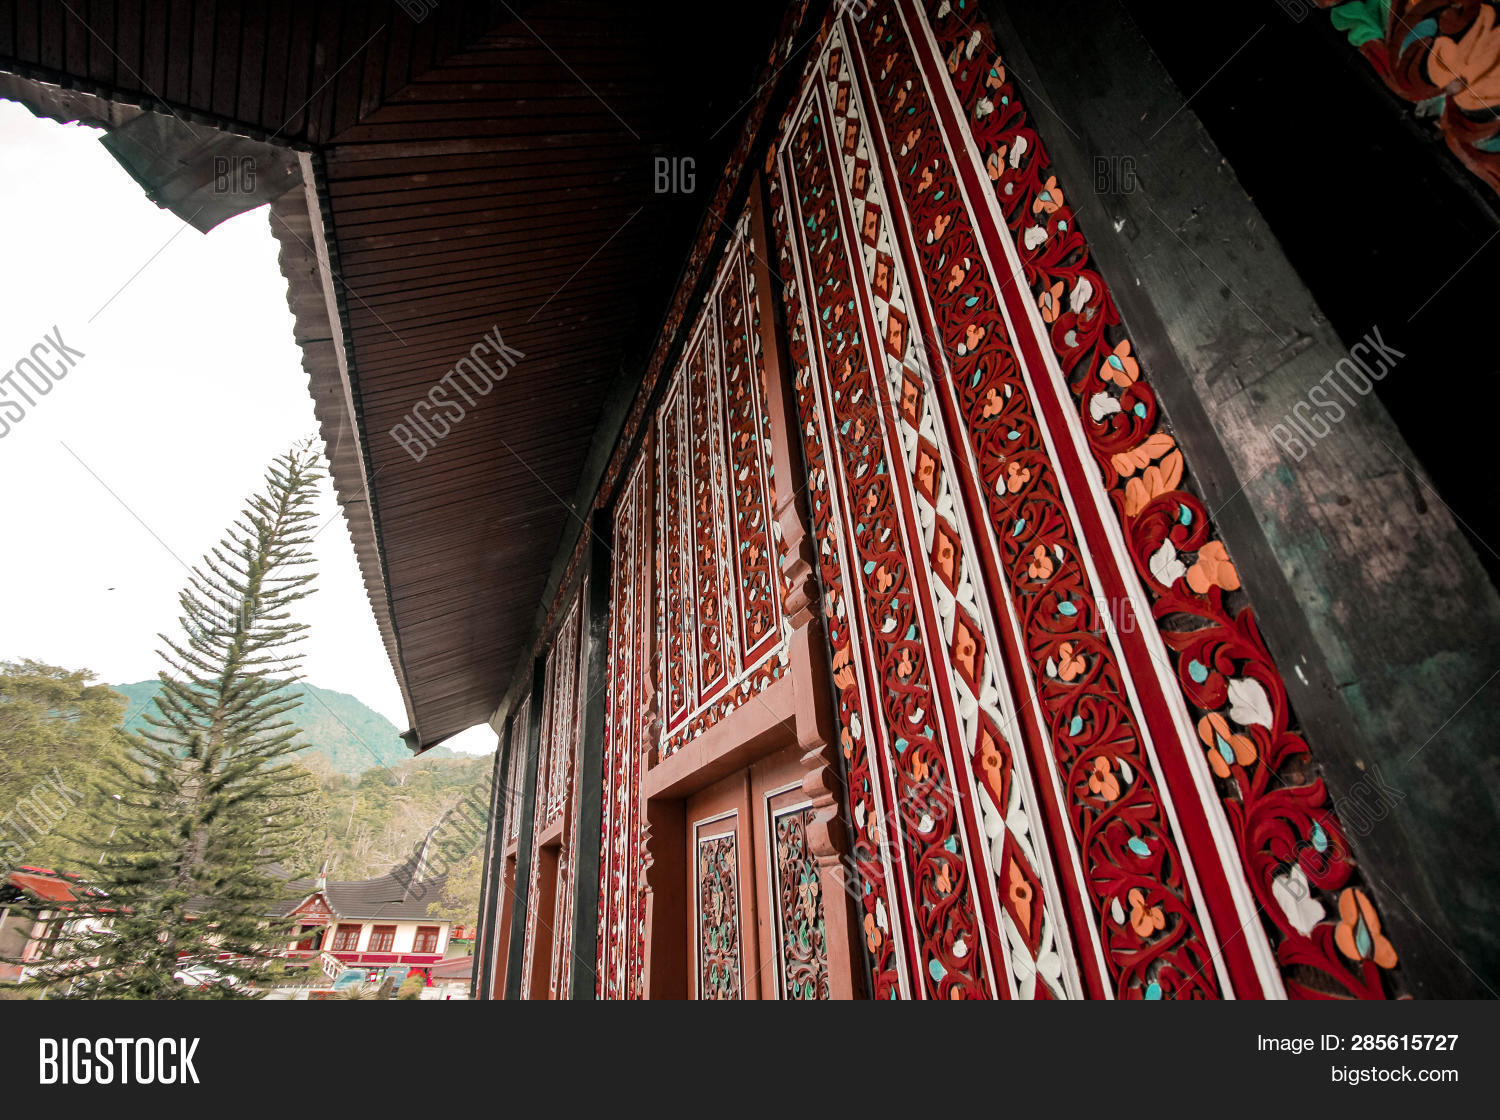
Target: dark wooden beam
(524,854)
(588,787)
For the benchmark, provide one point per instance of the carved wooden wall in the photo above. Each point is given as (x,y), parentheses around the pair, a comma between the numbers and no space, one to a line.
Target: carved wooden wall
(696,566)
(1072,768)
(1068,765)
(549,893)
(630,731)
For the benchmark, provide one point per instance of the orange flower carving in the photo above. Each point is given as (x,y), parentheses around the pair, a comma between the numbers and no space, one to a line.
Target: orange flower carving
(1154,482)
(995,165)
(1145,920)
(1016,476)
(1069,664)
(1358,935)
(1041,566)
(1469,69)
(1050,199)
(955,277)
(944,883)
(1213,569)
(872,933)
(1050,302)
(996,77)
(1102,782)
(843,672)
(905,666)
(895,334)
(1224,745)
(964,651)
(1120,367)
(1152,447)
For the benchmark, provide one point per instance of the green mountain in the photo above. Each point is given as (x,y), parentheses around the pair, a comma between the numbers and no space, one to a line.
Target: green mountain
(351,736)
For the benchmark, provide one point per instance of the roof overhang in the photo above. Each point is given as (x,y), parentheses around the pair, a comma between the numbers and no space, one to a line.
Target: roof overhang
(491,173)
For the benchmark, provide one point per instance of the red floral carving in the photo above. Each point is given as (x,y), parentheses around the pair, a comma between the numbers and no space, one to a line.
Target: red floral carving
(1279,814)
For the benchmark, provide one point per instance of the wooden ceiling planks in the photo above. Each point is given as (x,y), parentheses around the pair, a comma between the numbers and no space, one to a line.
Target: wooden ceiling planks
(493,190)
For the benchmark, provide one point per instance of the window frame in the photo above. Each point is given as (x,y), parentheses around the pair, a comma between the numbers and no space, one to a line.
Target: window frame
(342,930)
(382,939)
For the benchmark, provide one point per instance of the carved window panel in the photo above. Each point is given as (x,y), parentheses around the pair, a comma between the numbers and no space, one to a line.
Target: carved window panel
(515,769)
(961,903)
(561,717)
(630,725)
(720,599)
(561,802)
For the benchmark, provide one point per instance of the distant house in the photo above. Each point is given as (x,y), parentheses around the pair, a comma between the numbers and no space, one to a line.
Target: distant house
(26,932)
(373,923)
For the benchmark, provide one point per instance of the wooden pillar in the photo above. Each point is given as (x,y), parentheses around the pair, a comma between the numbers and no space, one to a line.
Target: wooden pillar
(524,855)
(490,902)
(589,781)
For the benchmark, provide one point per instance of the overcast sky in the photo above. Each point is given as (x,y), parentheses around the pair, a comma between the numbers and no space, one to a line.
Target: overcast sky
(189,385)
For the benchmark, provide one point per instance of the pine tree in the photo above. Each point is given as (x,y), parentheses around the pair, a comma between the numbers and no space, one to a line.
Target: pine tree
(204,839)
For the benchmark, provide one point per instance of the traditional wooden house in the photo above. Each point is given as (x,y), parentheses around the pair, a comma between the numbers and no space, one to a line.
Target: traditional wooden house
(920,529)
(375,923)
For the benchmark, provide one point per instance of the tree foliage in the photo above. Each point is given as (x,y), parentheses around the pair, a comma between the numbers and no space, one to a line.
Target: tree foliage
(376,819)
(208,827)
(411,987)
(56,727)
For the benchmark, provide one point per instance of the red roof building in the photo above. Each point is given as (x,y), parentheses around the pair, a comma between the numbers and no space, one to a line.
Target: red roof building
(25,932)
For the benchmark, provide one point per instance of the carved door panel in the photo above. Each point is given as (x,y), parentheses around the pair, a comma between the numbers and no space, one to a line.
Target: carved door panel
(720,893)
(755,903)
(789,891)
